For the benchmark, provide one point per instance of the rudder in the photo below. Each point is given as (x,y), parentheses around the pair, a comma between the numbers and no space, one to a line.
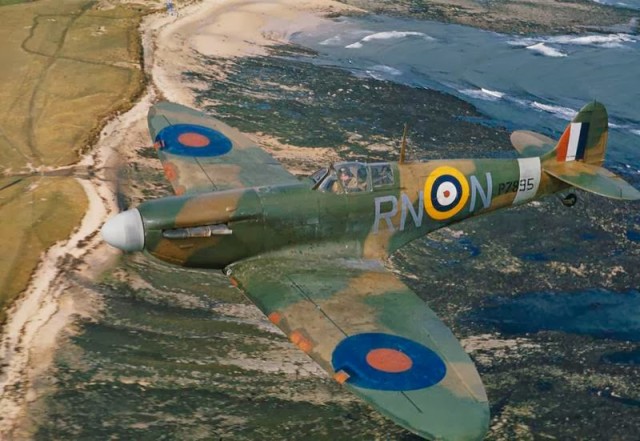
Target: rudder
(577,158)
(585,138)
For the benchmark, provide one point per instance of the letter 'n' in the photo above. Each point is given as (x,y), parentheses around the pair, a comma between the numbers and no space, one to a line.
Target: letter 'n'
(407,205)
(476,188)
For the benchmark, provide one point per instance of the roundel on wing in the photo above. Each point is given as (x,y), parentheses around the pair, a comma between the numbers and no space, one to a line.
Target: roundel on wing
(193,140)
(387,362)
(446,192)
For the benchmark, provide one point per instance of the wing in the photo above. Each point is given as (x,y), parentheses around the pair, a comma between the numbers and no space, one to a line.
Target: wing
(200,153)
(531,144)
(374,335)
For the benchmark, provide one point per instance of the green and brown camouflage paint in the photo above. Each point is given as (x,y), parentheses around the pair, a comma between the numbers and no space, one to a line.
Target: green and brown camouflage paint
(309,256)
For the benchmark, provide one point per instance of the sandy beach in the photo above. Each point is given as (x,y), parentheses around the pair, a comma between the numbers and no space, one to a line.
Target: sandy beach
(47,312)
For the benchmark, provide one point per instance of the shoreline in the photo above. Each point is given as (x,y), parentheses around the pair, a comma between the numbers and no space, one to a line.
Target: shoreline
(46,312)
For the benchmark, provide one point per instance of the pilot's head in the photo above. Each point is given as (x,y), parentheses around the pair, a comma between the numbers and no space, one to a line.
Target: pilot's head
(345,174)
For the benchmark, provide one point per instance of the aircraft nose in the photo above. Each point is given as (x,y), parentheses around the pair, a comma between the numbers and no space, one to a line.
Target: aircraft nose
(125,231)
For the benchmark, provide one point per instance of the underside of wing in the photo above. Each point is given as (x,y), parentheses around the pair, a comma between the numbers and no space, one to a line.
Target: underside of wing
(200,153)
(531,144)
(373,334)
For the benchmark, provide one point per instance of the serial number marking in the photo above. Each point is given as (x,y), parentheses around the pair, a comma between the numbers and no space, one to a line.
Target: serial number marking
(514,186)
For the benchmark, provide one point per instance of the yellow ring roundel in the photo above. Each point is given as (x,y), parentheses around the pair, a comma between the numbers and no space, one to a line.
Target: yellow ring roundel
(446,191)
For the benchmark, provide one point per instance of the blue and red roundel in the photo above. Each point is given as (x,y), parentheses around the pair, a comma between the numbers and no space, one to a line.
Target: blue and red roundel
(193,140)
(387,362)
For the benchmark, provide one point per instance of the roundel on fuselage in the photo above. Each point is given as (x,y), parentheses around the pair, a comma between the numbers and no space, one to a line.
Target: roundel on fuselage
(446,191)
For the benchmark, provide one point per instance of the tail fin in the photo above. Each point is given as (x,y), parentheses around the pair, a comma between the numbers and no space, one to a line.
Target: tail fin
(577,157)
(585,138)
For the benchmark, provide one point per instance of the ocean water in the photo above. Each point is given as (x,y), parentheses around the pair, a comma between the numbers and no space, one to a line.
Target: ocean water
(629,4)
(534,83)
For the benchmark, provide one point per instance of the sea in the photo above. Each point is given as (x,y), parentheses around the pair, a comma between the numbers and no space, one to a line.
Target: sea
(545,298)
(537,83)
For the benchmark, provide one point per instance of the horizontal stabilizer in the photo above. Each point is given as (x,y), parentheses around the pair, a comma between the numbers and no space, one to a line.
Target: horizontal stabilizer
(531,144)
(593,179)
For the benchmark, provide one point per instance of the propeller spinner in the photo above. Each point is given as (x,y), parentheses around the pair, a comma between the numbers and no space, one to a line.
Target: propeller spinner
(125,231)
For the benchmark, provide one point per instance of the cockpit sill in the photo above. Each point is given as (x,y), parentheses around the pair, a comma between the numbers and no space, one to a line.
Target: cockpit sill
(354,177)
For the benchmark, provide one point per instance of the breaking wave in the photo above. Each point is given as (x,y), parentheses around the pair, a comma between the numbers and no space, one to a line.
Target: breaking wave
(567,113)
(389,35)
(383,68)
(542,46)
(607,41)
(545,50)
(332,41)
(483,94)
(559,111)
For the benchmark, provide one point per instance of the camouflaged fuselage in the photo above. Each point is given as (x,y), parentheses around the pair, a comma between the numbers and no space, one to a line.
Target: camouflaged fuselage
(308,252)
(369,224)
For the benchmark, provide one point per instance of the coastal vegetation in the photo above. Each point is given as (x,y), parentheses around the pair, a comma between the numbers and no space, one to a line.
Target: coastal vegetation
(67,67)
(511,17)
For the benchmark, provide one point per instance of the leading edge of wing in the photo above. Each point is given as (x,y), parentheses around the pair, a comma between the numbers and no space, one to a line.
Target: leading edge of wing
(373,334)
(201,153)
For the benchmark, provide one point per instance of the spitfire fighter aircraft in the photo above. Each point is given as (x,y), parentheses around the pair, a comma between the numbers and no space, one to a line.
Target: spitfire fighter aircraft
(309,252)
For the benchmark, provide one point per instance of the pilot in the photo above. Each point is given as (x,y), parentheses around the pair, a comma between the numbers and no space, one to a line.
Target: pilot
(347,180)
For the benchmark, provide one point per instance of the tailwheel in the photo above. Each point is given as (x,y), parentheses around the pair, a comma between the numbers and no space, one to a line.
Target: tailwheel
(569,200)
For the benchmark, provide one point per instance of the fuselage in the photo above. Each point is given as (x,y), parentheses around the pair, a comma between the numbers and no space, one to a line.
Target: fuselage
(213,230)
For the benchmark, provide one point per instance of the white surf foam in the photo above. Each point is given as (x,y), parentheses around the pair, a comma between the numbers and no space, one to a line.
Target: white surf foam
(545,50)
(336,40)
(483,94)
(604,41)
(356,45)
(559,111)
(376,75)
(635,132)
(607,41)
(383,68)
(388,35)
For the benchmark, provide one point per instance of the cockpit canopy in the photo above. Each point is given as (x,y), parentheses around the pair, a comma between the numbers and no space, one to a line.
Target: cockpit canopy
(353,177)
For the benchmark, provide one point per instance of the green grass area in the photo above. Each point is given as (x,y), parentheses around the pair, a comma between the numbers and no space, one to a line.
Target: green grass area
(35,212)
(67,66)
(11,2)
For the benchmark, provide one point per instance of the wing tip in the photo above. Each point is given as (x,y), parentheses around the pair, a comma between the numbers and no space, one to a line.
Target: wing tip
(448,423)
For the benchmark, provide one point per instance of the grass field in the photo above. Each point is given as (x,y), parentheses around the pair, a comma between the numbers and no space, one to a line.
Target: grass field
(66,67)
(11,2)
